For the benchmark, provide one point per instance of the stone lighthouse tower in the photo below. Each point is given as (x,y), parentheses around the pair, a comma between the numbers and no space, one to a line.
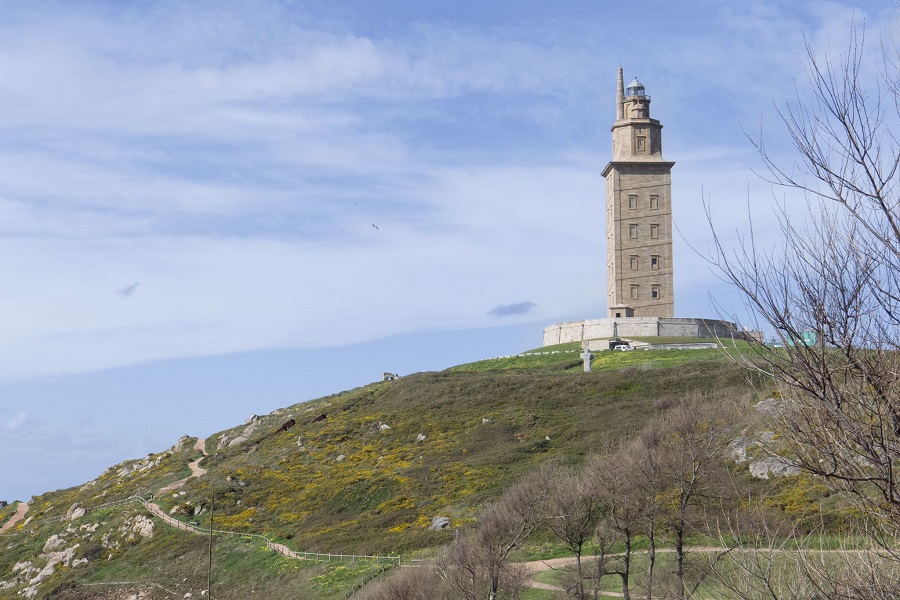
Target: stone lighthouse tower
(638,211)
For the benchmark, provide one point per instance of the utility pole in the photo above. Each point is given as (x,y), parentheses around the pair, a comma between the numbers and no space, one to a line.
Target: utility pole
(209,570)
(212,498)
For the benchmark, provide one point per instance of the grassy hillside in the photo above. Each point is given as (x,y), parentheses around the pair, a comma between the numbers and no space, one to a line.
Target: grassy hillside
(364,471)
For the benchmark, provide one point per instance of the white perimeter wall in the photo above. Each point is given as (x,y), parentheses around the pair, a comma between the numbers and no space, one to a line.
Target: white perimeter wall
(577,331)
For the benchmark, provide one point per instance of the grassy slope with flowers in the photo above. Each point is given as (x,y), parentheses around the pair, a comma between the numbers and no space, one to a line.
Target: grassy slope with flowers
(369,477)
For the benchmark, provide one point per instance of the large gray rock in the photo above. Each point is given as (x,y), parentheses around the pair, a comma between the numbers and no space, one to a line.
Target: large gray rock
(773,466)
(53,542)
(75,512)
(439,523)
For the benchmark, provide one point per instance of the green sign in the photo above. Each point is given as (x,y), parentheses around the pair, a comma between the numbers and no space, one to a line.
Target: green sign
(807,338)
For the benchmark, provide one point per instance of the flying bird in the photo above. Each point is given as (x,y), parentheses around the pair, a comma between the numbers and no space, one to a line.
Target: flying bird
(374,225)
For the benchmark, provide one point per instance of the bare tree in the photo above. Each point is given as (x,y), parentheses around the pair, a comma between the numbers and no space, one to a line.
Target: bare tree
(759,554)
(691,440)
(421,583)
(462,570)
(503,526)
(612,481)
(831,292)
(650,480)
(574,513)
(606,537)
(764,558)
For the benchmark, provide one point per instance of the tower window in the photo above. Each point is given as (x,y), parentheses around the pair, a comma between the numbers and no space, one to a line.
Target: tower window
(641,144)
(654,263)
(654,231)
(654,292)
(632,202)
(634,262)
(635,291)
(654,202)
(632,231)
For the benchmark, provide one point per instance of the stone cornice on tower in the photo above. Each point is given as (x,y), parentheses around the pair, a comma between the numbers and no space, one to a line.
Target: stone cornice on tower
(624,163)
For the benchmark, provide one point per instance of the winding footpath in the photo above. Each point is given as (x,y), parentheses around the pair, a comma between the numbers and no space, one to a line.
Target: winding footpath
(21,509)
(196,470)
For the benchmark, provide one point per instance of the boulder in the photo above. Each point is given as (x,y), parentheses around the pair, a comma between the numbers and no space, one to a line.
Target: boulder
(75,512)
(737,449)
(439,524)
(769,406)
(774,466)
(53,542)
(143,526)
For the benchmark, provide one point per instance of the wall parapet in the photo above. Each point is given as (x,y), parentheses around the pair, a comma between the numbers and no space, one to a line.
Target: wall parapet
(589,329)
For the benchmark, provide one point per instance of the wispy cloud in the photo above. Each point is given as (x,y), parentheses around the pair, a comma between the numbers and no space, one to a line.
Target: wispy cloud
(213,152)
(509,310)
(128,289)
(17,421)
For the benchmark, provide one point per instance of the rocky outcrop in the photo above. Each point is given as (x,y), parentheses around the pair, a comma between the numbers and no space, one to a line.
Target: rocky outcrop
(182,443)
(75,512)
(773,467)
(25,573)
(250,427)
(771,464)
(140,524)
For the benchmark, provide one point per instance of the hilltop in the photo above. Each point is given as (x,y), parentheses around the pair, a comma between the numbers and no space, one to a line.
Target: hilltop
(365,471)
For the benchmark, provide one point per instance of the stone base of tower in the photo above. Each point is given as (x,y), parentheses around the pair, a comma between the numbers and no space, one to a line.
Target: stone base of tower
(590,329)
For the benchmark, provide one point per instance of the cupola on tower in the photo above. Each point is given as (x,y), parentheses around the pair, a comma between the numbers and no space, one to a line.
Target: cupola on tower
(638,211)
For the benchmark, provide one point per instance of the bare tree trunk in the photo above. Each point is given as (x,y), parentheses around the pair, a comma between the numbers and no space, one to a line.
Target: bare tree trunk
(679,560)
(651,559)
(626,566)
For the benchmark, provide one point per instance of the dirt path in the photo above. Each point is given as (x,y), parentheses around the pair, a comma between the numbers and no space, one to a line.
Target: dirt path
(196,469)
(537,566)
(21,509)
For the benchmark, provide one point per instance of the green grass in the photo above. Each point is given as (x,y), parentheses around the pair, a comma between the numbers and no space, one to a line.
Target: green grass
(568,358)
(485,424)
(533,594)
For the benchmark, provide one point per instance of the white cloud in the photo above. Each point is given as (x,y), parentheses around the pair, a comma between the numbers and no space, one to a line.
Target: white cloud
(17,421)
(232,158)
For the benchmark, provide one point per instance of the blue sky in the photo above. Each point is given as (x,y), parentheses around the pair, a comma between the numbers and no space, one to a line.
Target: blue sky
(188,192)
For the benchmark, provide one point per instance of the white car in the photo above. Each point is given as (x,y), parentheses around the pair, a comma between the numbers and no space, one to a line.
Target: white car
(623,347)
